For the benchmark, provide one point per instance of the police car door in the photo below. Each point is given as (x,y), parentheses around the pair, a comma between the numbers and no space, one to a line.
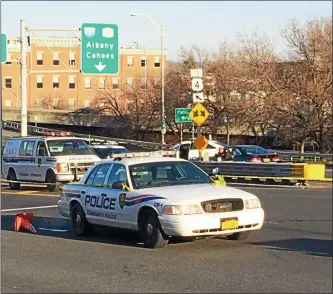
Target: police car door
(93,194)
(118,214)
(40,164)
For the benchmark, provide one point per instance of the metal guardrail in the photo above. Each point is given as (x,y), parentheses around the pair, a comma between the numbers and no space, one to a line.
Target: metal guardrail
(39,130)
(306,157)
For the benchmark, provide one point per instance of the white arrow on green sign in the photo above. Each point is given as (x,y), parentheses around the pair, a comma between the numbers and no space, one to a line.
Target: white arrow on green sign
(3,48)
(181,115)
(99,49)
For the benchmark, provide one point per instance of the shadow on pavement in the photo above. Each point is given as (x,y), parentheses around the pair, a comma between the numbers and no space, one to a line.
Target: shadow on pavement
(61,228)
(316,247)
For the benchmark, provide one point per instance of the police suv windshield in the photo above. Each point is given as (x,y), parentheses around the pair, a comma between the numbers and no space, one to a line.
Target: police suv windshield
(68,147)
(170,173)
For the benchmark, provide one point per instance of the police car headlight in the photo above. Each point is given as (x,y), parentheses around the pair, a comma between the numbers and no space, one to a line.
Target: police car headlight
(182,209)
(252,203)
(62,167)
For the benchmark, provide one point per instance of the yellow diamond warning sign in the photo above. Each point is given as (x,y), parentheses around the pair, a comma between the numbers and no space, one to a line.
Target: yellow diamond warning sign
(199,114)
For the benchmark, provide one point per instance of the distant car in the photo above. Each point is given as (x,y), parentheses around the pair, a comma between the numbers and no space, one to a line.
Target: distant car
(193,153)
(106,151)
(253,153)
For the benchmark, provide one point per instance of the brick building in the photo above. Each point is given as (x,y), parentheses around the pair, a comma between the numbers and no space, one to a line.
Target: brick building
(54,77)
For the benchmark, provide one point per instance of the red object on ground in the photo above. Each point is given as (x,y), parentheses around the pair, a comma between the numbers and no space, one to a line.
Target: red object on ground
(24,221)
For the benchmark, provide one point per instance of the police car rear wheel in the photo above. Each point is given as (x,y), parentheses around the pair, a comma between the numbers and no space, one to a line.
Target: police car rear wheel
(79,223)
(151,232)
(12,177)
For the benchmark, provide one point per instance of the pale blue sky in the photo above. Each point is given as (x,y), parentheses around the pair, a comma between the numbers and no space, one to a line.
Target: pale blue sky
(205,23)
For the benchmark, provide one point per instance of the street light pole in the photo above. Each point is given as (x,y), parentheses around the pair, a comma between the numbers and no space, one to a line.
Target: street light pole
(160,30)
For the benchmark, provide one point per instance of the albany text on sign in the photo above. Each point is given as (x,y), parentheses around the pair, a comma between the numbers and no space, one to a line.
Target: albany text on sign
(3,48)
(99,49)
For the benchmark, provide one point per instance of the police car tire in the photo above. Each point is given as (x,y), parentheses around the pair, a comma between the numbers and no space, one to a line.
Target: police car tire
(50,178)
(12,177)
(155,239)
(85,227)
(239,236)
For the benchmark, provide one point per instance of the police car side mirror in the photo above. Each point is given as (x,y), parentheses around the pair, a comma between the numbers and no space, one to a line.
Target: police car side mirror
(118,185)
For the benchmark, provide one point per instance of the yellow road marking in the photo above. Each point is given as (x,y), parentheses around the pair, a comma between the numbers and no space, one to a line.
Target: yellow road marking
(27,192)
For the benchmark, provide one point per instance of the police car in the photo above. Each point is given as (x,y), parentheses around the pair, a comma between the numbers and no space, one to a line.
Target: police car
(54,158)
(160,197)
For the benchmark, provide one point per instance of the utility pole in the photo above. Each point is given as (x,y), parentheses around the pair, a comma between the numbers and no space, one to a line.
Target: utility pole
(162,78)
(24,100)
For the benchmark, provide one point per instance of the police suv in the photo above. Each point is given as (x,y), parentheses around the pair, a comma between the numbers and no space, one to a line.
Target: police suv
(160,197)
(53,159)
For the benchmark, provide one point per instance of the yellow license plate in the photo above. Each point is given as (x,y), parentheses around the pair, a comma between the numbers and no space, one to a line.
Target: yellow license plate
(267,160)
(229,224)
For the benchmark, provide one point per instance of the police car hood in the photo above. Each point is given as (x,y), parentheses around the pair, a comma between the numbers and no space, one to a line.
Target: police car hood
(194,193)
(78,158)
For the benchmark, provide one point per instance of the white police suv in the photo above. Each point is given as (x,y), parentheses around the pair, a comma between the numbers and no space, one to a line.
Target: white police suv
(160,197)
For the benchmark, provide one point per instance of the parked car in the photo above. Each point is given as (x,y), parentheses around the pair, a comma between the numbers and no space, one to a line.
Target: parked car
(253,153)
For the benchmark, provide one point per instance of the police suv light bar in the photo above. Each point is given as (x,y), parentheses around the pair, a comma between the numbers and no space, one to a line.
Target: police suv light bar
(58,134)
(145,154)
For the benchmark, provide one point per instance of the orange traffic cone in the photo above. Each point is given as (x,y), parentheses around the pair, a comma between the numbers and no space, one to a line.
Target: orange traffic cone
(23,221)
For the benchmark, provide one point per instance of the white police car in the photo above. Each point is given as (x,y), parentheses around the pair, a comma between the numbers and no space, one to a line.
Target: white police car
(160,197)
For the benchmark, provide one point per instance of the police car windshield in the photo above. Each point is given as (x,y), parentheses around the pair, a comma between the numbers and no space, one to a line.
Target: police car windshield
(68,147)
(170,173)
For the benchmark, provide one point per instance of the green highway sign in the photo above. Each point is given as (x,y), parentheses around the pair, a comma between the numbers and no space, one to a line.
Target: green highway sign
(3,48)
(99,49)
(181,115)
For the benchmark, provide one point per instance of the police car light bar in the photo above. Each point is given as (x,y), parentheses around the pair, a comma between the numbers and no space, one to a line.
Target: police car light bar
(145,154)
(58,134)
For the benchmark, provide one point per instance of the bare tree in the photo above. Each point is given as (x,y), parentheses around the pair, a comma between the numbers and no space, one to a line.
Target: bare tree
(134,107)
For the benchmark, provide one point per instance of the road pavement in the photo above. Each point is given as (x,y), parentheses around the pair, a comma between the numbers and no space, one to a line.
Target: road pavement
(292,253)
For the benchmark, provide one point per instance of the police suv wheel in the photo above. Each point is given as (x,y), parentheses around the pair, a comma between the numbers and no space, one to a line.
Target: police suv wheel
(12,177)
(151,232)
(239,236)
(52,184)
(80,225)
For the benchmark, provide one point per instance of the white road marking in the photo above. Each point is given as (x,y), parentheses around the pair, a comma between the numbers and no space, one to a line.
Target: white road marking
(53,230)
(28,208)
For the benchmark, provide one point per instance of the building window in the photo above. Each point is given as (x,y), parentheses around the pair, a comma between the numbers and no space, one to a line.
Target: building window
(71,104)
(8,103)
(55,82)
(39,58)
(87,83)
(143,83)
(55,103)
(72,59)
(115,83)
(143,61)
(39,102)
(9,58)
(101,83)
(157,62)
(87,103)
(71,81)
(129,83)
(8,82)
(56,58)
(130,61)
(39,82)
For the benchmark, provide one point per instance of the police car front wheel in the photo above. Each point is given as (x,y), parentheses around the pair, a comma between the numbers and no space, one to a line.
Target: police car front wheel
(79,222)
(151,232)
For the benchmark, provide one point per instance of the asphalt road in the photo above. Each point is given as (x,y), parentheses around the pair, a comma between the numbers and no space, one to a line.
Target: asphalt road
(292,253)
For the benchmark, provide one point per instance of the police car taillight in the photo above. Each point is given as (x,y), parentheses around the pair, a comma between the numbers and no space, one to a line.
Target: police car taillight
(145,154)
(58,134)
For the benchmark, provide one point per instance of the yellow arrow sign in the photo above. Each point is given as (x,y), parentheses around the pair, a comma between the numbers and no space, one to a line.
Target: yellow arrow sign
(199,114)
